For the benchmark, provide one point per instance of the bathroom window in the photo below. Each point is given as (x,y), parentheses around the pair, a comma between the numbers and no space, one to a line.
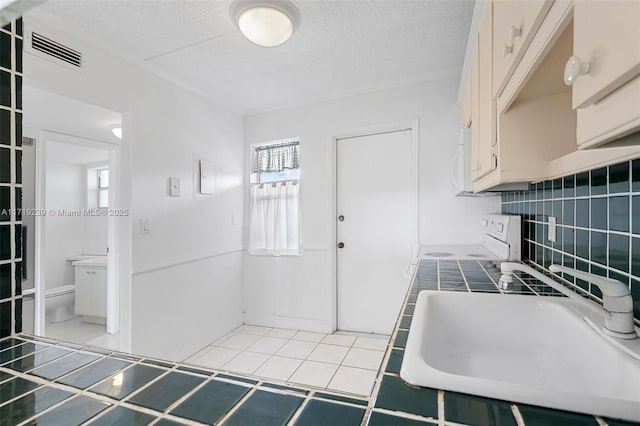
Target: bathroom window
(103,188)
(274,208)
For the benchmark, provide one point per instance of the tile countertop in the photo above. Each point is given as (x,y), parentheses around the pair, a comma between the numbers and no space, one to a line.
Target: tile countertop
(47,382)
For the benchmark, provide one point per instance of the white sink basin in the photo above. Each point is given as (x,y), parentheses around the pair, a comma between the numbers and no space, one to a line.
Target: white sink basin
(529,349)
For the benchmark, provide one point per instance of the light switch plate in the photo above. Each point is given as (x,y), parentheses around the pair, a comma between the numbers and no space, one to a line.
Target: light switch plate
(174,187)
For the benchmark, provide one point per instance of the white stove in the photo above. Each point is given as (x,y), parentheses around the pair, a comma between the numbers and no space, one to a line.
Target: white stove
(501,240)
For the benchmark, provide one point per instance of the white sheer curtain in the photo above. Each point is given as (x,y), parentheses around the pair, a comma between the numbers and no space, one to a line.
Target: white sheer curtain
(274,222)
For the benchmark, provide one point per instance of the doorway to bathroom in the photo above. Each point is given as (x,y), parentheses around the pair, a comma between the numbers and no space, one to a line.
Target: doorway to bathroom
(70,164)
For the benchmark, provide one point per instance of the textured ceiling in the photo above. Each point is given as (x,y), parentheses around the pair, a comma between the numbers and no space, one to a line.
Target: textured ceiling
(342,48)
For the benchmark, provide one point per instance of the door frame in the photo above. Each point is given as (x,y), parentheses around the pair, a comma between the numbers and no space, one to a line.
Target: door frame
(113,228)
(413,126)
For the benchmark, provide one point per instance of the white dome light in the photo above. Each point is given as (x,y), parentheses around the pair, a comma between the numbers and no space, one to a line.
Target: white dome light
(116,129)
(267,23)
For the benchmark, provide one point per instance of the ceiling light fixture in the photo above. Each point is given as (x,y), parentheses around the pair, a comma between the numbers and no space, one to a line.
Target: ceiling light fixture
(117,130)
(267,23)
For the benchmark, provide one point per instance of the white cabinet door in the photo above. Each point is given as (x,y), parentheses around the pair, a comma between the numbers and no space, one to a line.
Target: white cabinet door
(100,293)
(607,35)
(84,291)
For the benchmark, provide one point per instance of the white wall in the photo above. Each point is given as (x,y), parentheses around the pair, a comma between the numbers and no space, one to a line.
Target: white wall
(297,292)
(166,128)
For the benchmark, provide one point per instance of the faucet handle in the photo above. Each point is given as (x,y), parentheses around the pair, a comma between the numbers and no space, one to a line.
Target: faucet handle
(608,286)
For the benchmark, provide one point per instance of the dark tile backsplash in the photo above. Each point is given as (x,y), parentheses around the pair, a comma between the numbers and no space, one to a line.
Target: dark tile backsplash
(10,176)
(598,224)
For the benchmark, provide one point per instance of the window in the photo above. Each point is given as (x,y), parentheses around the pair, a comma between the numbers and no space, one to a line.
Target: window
(103,188)
(274,218)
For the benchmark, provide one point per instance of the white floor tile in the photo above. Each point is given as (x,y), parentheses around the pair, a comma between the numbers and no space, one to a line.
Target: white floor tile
(282,333)
(328,353)
(246,362)
(353,380)
(338,339)
(313,373)
(308,336)
(254,329)
(267,345)
(240,341)
(278,367)
(363,358)
(223,338)
(213,357)
(297,349)
(371,343)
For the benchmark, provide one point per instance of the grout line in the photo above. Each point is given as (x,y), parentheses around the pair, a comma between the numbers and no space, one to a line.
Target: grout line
(516,414)
(441,416)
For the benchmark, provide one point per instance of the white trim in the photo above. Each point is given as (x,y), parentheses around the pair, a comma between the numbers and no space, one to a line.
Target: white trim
(181,260)
(412,125)
(471,42)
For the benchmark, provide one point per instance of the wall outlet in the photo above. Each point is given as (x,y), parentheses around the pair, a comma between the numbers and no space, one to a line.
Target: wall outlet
(234,220)
(552,229)
(145,226)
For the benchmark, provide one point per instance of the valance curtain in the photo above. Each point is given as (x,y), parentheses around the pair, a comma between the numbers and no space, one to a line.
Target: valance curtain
(274,222)
(276,158)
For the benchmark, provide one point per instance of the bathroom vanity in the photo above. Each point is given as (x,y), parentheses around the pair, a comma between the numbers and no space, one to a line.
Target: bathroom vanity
(91,289)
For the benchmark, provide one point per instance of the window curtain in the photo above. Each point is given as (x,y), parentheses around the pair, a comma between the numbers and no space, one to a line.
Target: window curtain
(276,158)
(274,222)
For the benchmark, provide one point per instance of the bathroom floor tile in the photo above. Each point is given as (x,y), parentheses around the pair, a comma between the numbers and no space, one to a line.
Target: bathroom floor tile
(267,345)
(313,373)
(165,391)
(371,343)
(297,349)
(31,404)
(401,339)
(10,342)
(308,336)
(328,353)
(73,412)
(16,387)
(282,333)
(253,329)
(37,359)
(246,362)
(468,409)
(214,357)
(123,416)
(19,351)
(266,409)
(353,380)
(363,358)
(395,361)
(341,398)
(395,395)
(64,365)
(278,368)
(240,341)
(123,383)
(224,338)
(211,402)
(339,339)
(167,422)
(87,376)
(321,413)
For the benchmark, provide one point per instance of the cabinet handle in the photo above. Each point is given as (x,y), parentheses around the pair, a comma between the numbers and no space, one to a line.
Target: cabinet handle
(506,50)
(574,69)
(514,33)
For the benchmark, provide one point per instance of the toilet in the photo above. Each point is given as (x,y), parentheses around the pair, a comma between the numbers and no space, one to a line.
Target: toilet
(59,303)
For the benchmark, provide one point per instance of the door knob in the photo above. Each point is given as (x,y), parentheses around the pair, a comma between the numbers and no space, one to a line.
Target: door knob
(574,69)
(341,218)
(340,245)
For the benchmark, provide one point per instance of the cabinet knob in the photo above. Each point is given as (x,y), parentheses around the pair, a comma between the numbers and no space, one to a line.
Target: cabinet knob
(506,50)
(514,33)
(574,69)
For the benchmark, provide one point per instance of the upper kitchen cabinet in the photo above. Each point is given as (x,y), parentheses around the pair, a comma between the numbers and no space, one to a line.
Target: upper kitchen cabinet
(604,71)
(514,25)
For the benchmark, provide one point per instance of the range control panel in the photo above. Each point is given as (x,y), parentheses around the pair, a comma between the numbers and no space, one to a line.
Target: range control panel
(502,227)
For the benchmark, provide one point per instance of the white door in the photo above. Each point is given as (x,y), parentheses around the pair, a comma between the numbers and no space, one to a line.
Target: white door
(374,225)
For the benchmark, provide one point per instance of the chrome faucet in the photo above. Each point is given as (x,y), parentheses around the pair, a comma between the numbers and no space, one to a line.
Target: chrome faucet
(617,301)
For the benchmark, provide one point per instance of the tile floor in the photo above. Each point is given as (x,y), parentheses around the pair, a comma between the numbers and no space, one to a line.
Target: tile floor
(77,331)
(338,362)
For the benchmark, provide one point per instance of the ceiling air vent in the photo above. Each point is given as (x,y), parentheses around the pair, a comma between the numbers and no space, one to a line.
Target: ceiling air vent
(55,49)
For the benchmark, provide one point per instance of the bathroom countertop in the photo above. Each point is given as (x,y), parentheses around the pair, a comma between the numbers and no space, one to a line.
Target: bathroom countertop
(96,261)
(74,383)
